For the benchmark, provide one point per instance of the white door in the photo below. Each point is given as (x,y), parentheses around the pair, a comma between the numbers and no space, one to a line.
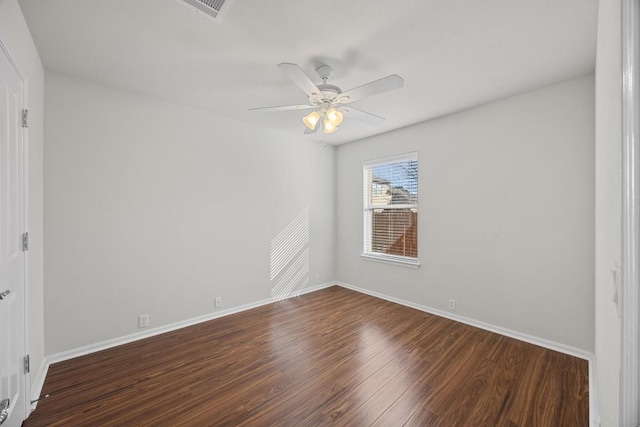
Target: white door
(12,256)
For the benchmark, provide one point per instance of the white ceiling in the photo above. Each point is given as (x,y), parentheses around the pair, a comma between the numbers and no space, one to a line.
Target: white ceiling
(453,54)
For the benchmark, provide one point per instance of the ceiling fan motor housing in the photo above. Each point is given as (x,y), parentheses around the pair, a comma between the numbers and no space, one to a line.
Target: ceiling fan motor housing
(328,93)
(324,71)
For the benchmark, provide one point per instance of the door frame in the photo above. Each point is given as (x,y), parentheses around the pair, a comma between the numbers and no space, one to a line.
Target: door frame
(15,62)
(630,313)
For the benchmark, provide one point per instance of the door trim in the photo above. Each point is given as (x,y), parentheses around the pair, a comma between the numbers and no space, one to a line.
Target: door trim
(630,333)
(14,60)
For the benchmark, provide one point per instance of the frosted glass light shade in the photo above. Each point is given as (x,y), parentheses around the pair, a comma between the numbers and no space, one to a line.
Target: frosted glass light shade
(328,127)
(311,120)
(334,116)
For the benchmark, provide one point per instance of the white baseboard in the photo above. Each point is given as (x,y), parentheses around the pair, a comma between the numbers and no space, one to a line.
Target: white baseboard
(92,348)
(551,345)
(594,415)
(38,383)
(103,345)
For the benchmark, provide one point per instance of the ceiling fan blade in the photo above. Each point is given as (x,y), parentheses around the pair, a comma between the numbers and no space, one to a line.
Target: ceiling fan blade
(284,108)
(295,73)
(362,116)
(384,84)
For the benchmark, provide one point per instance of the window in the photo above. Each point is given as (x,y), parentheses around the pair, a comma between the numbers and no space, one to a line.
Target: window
(391,209)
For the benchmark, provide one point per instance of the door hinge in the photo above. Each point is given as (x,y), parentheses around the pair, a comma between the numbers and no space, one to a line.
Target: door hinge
(27,367)
(25,118)
(25,241)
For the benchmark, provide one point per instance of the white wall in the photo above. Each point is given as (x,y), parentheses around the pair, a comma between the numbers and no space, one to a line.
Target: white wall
(14,28)
(154,208)
(608,207)
(506,213)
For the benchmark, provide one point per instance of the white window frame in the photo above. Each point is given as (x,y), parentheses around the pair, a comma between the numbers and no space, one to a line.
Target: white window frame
(367,253)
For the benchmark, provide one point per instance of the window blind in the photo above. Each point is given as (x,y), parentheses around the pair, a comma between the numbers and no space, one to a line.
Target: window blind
(390,188)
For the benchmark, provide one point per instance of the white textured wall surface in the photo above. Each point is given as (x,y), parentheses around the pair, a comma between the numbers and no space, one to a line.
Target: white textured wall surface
(506,213)
(608,208)
(153,208)
(14,28)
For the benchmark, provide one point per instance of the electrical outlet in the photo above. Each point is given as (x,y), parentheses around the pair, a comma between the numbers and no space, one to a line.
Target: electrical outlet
(317,279)
(452,305)
(143,321)
(218,302)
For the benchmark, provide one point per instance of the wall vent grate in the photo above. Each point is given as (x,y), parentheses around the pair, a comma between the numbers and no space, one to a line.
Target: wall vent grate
(214,9)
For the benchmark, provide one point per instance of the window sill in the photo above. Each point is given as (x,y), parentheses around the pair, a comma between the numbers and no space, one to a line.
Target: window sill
(390,259)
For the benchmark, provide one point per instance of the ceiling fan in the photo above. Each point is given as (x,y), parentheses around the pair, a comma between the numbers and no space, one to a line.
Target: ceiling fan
(328,102)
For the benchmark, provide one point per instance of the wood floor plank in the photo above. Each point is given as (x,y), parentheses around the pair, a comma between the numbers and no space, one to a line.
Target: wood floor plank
(330,358)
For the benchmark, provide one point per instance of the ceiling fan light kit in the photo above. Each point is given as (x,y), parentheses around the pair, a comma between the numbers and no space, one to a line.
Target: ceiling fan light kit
(326,99)
(331,119)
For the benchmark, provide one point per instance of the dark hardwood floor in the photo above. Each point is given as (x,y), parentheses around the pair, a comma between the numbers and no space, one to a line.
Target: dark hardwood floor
(332,357)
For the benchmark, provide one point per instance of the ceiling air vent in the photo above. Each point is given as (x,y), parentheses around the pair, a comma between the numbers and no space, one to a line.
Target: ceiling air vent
(214,9)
